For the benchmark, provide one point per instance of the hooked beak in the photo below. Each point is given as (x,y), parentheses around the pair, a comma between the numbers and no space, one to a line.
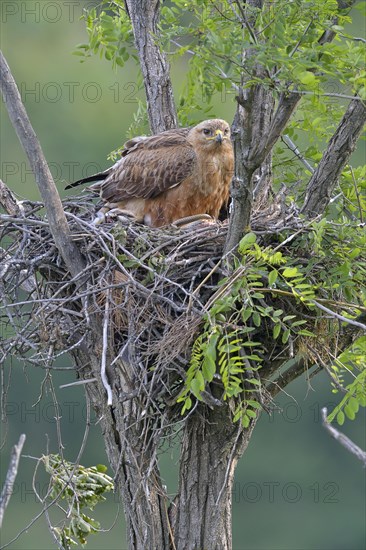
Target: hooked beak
(218,136)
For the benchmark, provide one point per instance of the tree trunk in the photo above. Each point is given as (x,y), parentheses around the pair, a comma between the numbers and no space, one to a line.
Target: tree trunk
(144,15)
(211,448)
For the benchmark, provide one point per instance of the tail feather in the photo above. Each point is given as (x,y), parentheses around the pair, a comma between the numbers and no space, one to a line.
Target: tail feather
(95,177)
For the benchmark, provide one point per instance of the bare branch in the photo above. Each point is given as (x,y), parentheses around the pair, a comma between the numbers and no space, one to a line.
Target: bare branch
(286,106)
(292,146)
(10,476)
(345,441)
(56,216)
(339,149)
(340,317)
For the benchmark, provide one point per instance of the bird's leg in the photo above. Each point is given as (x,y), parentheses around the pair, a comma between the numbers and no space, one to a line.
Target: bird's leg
(182,222)
(105,213)
(100,216)
(121,213)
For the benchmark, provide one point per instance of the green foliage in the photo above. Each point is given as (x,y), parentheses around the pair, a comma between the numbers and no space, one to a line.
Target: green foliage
(109,35)
(80,488)
(350,363)
(245,316)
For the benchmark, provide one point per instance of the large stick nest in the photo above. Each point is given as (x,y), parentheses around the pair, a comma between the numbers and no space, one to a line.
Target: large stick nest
(153,285)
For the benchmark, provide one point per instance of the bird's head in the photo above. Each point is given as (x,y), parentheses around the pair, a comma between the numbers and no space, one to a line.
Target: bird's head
(210,134)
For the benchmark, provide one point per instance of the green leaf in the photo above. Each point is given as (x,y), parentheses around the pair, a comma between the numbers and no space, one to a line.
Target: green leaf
(289,272)
(349,412)
(276,330)
(254,381)
(288,317)
(246,313)
(258,295)
(307,78)
(256,319)
(285,336)
(208,369)
(209,361)
(353,404)
(297,323)
(245,420)
(187,405)
(272,277)
(246,242)
(196,387)
(362,400)
(306,332)
(253,404)
(340,418)
(237,415)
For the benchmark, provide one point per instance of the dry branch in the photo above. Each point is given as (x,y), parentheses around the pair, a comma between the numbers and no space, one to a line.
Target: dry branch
(28,139)
(345,441)
(10,476)
(337,153)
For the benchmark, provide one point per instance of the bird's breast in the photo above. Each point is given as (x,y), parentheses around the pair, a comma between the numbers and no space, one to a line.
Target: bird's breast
(215,171)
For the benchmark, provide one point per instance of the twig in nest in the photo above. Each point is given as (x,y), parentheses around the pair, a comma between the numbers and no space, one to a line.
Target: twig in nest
(103,372)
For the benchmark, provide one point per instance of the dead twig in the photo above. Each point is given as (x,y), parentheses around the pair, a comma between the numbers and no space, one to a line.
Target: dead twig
(10,476)
(345,441)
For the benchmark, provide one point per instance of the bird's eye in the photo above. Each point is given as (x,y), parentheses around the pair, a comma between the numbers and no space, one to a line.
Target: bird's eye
(226,131)
(206,131)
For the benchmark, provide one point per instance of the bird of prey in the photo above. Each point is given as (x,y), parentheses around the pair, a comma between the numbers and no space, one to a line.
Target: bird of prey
(176,174)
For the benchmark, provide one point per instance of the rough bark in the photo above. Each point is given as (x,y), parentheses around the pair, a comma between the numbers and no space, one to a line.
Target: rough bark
(144,15)
(256,128)
(200,516)
(321,185)
(211,448)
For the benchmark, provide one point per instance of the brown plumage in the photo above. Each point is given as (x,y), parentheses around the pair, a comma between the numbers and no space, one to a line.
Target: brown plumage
(172,175)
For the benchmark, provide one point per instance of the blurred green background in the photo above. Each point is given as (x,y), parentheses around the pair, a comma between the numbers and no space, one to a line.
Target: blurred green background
(295,487)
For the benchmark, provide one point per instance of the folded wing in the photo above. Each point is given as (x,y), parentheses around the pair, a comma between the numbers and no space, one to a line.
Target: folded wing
(149,166)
